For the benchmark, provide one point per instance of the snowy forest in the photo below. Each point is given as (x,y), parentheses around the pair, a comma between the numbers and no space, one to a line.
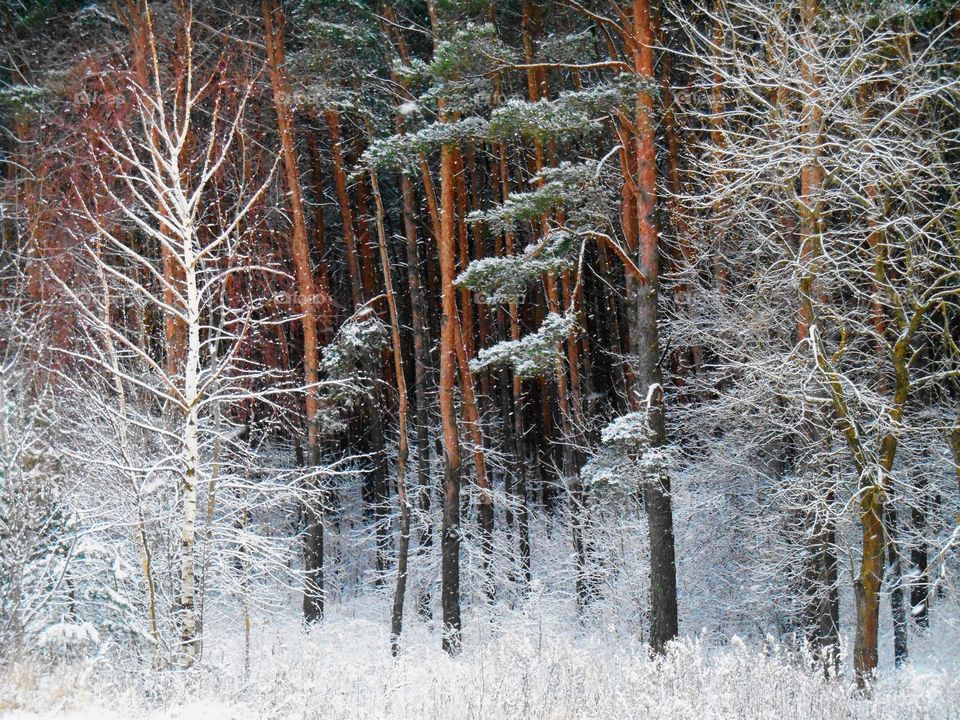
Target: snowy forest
(461,358)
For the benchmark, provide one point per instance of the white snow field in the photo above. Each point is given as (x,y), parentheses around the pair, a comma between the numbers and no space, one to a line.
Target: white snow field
(530,664)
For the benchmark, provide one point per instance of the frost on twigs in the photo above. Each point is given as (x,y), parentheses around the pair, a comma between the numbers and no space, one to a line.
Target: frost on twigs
(463,66)
(472,51)
(619,93)
(571,115)
(358,339)
(323,30)
(64,638)
(585,190)
(16,99)
(625,461)
(402,151)
(570,48)
(505,279)
(414,71)
(533,355)
(540,120)
(627,430)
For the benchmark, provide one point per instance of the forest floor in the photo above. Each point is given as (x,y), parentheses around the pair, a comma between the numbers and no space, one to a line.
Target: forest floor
(522,665)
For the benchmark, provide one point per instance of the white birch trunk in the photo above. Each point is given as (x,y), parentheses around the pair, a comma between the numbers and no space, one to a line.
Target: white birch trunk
(191,459)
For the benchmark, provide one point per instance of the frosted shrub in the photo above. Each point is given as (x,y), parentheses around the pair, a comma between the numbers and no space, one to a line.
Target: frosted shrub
(343,669)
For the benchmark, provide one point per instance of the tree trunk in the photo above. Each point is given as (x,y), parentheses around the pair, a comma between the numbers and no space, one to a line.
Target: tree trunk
(898,610)
(450,541)
(566,389)
(519,485)
(465,351)
(821,616)
(419,314)
(325,310)
(872,503)
(361,287)
(346,214)
(955,449)
(647,390)
(867,590)
(920,586)
(821,611)
(313,515)
(396,623)
(420,371)
(189,639)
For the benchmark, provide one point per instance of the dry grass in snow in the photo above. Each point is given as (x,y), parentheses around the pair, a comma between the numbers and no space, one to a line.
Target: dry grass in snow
(522,667)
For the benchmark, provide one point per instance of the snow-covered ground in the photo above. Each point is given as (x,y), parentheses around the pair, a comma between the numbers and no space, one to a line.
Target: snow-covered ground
(524,664)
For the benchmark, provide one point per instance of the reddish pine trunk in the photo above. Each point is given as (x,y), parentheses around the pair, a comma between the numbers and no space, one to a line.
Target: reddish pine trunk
(450,541)
(306,295)
(648,381)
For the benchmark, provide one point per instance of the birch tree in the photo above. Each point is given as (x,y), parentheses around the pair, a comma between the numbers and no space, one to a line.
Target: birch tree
(166,183)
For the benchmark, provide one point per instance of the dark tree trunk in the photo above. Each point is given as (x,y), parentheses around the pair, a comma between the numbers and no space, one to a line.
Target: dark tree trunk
(898,610)
(920,587)
(420,371)
(362,284)
(822,608)
(647,387)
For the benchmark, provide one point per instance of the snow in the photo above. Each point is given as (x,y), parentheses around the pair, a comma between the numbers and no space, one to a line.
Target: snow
(529,662)
(204,710)
(67,634)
